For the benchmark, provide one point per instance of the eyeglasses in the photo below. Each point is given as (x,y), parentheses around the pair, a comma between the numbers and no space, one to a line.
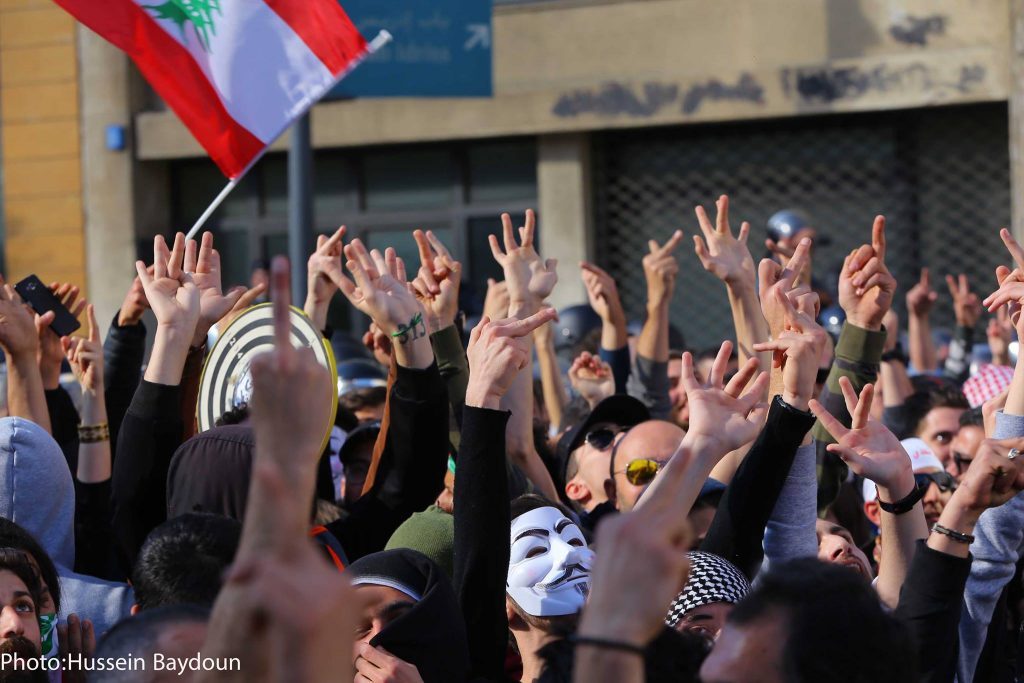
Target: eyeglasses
(600,439)
(944,480)
(641,471)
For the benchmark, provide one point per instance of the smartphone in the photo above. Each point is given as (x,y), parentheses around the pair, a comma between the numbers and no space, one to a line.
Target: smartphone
(41,299)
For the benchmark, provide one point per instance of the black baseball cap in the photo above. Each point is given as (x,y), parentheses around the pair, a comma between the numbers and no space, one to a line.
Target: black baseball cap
(620,409)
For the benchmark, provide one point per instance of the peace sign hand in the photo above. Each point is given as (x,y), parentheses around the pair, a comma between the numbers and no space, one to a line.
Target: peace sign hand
(868,447)
(724,255)
(530,279)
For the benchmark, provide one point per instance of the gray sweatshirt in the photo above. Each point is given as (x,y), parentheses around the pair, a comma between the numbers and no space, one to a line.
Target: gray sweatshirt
(37,493)
(999,541)
(790,533)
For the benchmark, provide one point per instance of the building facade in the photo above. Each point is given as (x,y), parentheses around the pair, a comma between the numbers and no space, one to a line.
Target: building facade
(612,117)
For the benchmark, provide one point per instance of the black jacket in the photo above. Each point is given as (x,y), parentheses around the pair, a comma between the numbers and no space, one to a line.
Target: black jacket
(124,350)
(411,469)
(482,527)
(931,600)
(737,531)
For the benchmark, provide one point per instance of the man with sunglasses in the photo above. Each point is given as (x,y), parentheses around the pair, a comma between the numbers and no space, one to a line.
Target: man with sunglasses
(939,486)
(585,451)
(636,458)
(966,443)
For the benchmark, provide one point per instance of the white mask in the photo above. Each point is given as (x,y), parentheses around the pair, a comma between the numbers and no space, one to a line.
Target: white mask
(549,567)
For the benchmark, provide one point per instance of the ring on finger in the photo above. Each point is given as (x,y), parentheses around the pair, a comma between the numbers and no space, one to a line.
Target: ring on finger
(1012,454)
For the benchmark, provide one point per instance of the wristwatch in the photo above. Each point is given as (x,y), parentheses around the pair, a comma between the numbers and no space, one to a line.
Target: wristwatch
(905,505)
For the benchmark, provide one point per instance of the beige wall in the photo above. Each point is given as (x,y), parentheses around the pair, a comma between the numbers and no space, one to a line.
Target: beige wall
(109,176)
(39,111)
(577,65)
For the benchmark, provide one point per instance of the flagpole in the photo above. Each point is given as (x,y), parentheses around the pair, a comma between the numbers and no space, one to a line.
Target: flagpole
(379,41)
(232,184)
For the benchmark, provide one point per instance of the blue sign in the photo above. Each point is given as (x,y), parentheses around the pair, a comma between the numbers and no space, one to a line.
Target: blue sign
(440,48)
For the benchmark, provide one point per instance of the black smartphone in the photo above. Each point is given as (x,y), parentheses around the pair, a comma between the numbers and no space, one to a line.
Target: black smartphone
(41,299)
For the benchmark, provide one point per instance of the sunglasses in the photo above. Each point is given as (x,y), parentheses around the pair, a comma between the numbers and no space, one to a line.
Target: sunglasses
(944,480)
(600,439)
(641,471)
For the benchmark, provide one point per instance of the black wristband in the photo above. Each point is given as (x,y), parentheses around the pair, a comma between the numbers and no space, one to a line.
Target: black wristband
(907,504)
(607,644)
(895,355)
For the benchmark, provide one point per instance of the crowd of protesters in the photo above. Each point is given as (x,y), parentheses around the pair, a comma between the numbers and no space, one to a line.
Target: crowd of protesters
(805,503)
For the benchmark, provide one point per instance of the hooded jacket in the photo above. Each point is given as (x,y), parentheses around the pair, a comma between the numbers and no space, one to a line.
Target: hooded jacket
(432,635)
(37,492)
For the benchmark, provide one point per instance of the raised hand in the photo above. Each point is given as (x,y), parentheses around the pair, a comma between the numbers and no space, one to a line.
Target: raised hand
(437,282)
(724,255)
(18,330)
(1011,284)
(85,356)
(283,588)
(1000,334)
(592,378)
(76,643)
(797,350)
(661,269)
(774,278)
(921,297)
(291,399)
(171,290)
(214,303)
(496,301)
(966,304)
(323,271)
(378,343)
(497,352)
(379,294)
(866,287)
(992,479)
(530,279)
(377,664)
(51,353)
(868,447)
(134,304)
(602,293)
(627,599)
(247,299)
(723,418)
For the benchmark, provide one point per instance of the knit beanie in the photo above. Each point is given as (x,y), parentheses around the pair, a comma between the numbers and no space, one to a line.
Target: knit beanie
(431,532)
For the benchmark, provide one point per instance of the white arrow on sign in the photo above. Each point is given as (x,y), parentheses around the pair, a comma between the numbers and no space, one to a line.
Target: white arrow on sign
(479,36)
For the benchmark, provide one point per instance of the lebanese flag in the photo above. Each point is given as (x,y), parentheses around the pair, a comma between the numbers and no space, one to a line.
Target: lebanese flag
(237,72)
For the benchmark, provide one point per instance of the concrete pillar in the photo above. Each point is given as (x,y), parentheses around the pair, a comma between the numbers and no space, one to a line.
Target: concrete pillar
(107,175)
(1016,117)
(565,208)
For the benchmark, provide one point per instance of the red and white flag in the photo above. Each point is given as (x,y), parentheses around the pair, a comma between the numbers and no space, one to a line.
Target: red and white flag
(237,72)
